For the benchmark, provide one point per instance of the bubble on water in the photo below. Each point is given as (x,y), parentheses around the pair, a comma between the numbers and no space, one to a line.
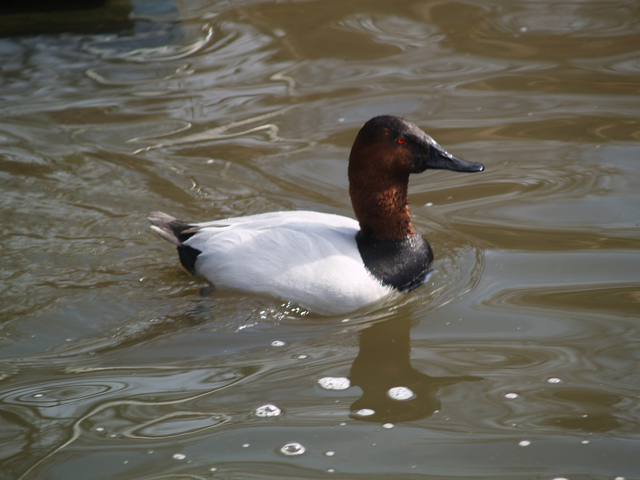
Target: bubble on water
(400,393)
(277,343)
(560,478)
(213,469)
(245,445)
(38,395)
(330,453)
(584,442)
(302,356)
(511,395)
(387,425)
(179,456)
(364,412)
(334,383)
(292,449)
(524,443)
(554,380)
(330,470)
(267,410)
(99,429)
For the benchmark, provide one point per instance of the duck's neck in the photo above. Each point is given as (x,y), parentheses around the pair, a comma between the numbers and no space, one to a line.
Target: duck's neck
(382,208)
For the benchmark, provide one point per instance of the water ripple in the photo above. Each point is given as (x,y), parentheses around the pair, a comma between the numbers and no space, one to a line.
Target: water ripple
(114,417)
(397,31)
(566,19)
(614,298)
(119,136)
(121,47)
(134,75)
(176,424)
(576,400)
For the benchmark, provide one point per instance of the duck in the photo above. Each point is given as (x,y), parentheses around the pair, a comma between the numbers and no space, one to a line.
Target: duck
(325,263)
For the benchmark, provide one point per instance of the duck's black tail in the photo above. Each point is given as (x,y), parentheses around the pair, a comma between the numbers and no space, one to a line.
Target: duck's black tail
(177,232)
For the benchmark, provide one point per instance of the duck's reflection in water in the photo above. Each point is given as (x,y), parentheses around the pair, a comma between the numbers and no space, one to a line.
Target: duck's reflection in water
(393,391)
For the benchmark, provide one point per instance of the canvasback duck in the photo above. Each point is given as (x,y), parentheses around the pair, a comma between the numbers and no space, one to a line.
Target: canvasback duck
(327,263)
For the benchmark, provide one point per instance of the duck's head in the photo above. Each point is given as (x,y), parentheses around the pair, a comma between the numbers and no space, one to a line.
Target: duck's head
(386,151)
(393,146)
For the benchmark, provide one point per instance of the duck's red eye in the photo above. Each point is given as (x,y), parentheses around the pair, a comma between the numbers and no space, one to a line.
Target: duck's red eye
(401,140)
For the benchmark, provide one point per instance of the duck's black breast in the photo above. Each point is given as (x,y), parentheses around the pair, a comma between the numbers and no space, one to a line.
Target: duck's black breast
(401,264)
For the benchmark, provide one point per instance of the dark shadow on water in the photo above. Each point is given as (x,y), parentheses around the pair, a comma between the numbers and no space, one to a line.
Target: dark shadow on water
(383,368)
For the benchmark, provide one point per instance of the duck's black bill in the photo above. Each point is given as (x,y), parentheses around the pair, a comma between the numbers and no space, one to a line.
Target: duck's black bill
(441,159)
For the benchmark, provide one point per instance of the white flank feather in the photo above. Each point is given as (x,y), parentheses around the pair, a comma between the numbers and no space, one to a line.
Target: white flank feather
(309,258)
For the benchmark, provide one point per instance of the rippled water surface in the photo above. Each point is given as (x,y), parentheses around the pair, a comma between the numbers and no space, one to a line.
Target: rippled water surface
(519,360)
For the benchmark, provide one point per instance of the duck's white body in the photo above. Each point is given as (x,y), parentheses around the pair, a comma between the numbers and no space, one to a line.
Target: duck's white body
(309,258)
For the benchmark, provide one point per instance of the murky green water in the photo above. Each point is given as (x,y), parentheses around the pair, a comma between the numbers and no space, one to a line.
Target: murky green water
(519,360)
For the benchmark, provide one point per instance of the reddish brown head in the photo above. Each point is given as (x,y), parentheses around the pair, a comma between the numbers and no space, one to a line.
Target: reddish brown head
(386,151)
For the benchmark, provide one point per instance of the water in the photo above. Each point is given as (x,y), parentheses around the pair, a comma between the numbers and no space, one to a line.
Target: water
(519,360)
